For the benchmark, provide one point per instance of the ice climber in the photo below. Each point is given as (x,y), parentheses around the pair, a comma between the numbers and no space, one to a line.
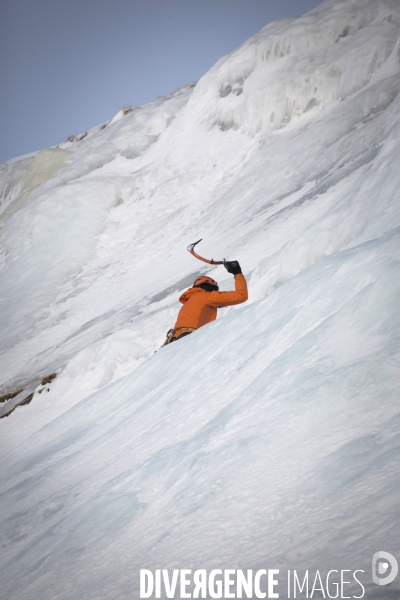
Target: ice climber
(200,302)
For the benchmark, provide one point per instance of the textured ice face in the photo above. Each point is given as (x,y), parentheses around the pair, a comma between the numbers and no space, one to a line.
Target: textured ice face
(268,438)
(93,229)
(295,65)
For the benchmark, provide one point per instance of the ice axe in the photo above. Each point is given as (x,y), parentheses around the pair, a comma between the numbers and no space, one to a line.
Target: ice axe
(210,262)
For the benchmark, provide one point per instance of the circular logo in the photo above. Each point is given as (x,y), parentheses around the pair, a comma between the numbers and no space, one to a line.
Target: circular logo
(384,568)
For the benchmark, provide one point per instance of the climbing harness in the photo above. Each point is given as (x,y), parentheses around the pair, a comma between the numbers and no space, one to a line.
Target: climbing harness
(172,334)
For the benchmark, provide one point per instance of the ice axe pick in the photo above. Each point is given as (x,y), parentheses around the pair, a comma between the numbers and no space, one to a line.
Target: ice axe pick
(210,262)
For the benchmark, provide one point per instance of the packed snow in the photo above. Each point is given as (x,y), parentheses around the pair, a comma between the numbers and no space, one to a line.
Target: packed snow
(270,437)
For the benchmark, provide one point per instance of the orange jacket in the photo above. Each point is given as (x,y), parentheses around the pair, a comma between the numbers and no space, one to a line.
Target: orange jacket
(200,307)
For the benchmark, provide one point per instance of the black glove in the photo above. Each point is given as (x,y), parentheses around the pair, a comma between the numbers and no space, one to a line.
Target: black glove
(232,266)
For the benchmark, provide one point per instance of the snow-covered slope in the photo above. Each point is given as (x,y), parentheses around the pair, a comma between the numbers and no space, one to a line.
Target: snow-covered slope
(267,438)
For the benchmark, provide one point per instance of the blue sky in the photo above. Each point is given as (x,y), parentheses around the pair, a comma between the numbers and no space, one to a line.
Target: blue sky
(68,65)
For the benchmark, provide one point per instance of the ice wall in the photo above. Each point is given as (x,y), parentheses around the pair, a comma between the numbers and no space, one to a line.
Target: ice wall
(268,438)
(293,66)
